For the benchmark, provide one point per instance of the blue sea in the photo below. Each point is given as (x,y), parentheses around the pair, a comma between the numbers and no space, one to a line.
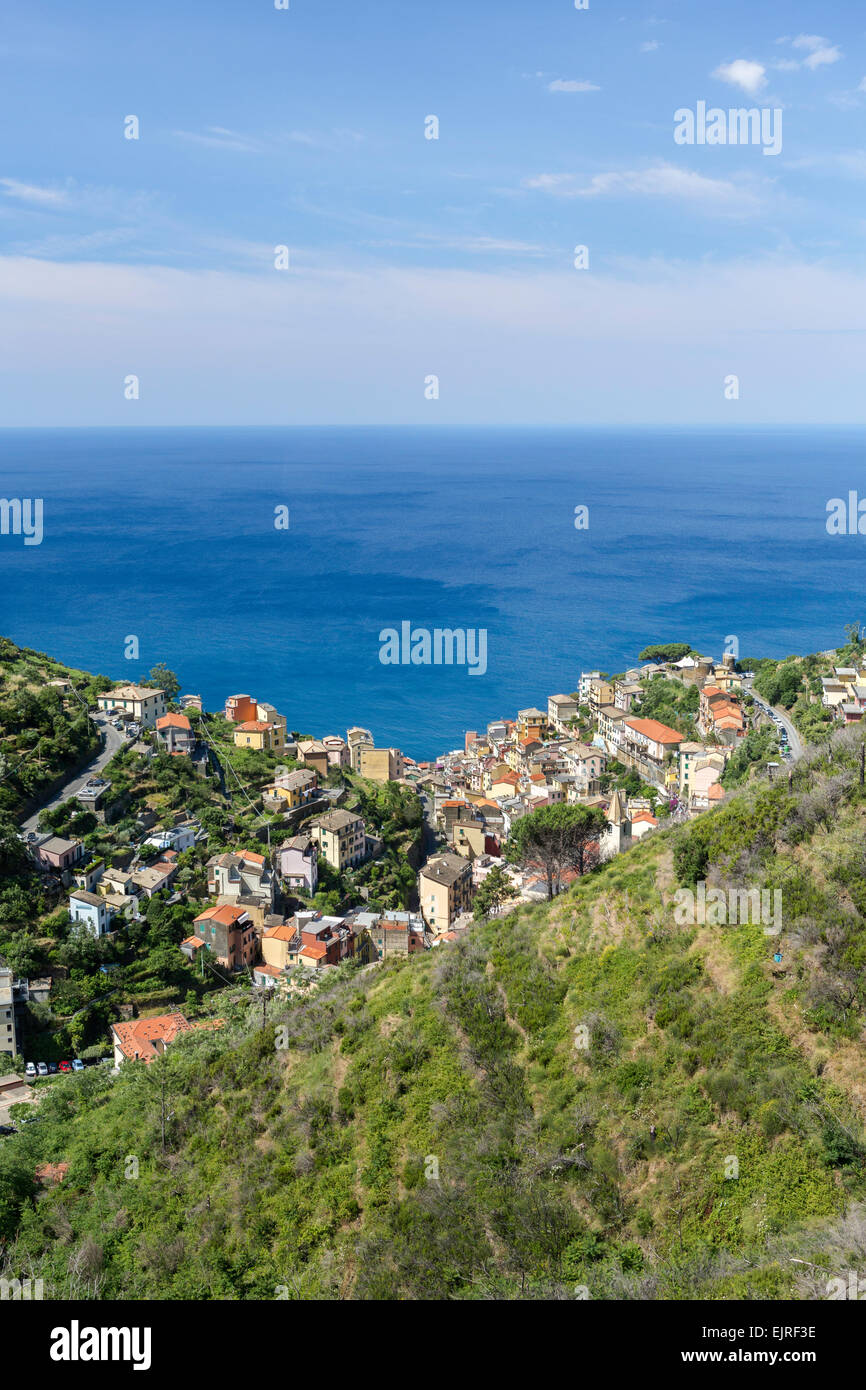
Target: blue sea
(168,535)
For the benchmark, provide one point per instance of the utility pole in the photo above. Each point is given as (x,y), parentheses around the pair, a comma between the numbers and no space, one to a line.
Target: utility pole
(862,763)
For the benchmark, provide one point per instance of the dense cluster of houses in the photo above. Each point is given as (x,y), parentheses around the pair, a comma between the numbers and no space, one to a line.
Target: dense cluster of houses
(473,795)
(539,759)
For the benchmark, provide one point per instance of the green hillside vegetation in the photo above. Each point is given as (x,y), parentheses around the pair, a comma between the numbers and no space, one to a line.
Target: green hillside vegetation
(557,1102)
(43,733)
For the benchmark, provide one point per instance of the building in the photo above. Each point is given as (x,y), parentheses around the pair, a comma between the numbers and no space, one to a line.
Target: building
(117,882)
(600,694)
(140,704)
(531,723)
(191,702)
(646,743)
(313,752)
(389,934)
(230,934)
(380,764)
(356,739)
(175,734)
(241,877)
(154,879)
(618,835)
(324,940)
(341,838)
(280,944)
(240,709)
(445,890)
(260,734)
(294,788)
(610,724)
(695,757)
(561,708)
(145,1038)
(337,750)
(298,864)
(626,693)
(55,854)
(92,910)
(8,1042)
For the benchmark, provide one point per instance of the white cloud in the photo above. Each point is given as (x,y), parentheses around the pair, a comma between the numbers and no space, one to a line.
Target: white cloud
(822,56)
(742,73)
(29,193)
(821,52)
(218,138)
(561,86)
(659,181)
(650,46)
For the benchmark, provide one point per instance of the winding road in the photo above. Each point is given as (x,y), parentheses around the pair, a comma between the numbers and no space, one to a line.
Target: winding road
(113,741)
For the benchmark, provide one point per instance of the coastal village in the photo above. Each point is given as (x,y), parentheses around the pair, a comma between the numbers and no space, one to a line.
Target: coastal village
(257,914)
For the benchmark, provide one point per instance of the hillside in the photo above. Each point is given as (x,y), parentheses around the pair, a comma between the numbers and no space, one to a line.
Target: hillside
(587,1095)
(44,731)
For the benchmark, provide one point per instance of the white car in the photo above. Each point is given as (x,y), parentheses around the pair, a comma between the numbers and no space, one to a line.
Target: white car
(30,1069)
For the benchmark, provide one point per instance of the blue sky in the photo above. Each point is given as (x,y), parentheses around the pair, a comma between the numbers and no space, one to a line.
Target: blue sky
(411,257)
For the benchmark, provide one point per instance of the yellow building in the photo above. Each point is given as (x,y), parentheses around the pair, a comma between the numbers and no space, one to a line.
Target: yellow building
(294,788)
(531,723)
(445,890)
(257,733)
(380,764)
(341,837)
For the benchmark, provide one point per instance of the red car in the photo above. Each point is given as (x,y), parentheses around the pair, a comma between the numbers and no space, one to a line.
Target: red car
(66,1066)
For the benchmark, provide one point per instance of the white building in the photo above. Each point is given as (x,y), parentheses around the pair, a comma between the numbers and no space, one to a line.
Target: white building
(91,910)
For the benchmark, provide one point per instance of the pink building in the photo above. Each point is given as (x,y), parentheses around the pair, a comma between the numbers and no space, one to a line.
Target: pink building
(299,863)
(54,853)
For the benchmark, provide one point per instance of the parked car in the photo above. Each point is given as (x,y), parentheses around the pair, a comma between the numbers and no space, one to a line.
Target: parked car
(42,1068)
(66,1066)
(8,1129)
(30,1069)
(52,1068)
(31,1119)
(77,1064)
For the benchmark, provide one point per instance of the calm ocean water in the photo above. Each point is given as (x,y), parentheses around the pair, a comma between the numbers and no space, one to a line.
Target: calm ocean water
(168,534)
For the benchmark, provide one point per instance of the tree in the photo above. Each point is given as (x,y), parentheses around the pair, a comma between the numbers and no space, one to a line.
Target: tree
(666,651)
(161,678)
(557,838)
(495,890)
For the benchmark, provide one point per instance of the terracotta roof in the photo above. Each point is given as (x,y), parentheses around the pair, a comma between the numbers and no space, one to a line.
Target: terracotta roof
(52,1172)
(313,952)
(284,932)
(644,815)
(139,1038)
(651,728)
(173,721)
(250,726)
(192,941)
(716,792)
(225,914)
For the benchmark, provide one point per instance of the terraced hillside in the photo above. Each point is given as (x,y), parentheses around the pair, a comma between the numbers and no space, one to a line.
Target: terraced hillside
(588,1098)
